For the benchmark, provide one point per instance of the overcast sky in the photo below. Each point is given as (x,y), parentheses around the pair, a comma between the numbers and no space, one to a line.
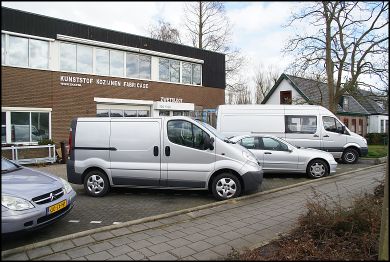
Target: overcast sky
(256,26)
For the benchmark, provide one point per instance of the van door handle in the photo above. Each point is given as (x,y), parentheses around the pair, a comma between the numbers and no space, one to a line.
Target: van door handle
(268,153)
(315,135)
(155,150)
(167,151)
(326,136)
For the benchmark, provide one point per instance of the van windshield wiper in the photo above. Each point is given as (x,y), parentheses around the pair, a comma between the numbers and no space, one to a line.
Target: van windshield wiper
(228,141)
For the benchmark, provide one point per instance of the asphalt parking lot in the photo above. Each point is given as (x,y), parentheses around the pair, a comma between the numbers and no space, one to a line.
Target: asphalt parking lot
(126,204)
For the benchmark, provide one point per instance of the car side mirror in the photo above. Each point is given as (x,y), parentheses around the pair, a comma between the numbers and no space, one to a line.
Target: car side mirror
(208,142)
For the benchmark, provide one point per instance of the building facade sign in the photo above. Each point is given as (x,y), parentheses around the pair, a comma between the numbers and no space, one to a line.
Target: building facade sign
(79,81)
(171,99)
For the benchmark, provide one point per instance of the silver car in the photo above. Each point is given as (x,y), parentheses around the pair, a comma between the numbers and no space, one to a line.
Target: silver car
(277,155)
(31,199)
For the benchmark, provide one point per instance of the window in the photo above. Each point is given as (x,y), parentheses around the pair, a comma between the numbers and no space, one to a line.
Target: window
(84,59)
(196,74)
(187,73)
(186,134)
(28,127)
(2,48)
(102,61)
(102,113)
(250,142)
(39,54)
(130,113)
(164,69)
(163,113)
(145,67)
(346,122)
(67,57)
(332,125)
(387,126)
(18,51)
(273,144)
(360,128)
(116,63)
(3,127)
(138,66)
(301,124)
(143,113)
(132,65)
(174,71)
(353,125)
(116,113)
(382,126)
(285,97)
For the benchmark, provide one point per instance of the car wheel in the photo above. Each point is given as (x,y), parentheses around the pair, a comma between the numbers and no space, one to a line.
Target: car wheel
(226,186)
(317,168)
(350,156)
(96,183)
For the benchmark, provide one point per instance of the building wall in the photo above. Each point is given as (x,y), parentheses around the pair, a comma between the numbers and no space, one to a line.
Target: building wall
(357,128)
(285,86)
(374,123)
(22,87)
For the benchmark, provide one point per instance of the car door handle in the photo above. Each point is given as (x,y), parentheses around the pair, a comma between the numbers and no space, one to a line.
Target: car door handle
(167,151)
(155,151)
(268,153)
(326,136)
(315,135)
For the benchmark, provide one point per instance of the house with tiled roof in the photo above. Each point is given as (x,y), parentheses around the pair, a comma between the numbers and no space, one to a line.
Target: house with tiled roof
(291,89)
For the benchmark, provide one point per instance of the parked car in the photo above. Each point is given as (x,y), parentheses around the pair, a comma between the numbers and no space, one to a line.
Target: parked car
(277,155)
(31,199)
(162,152)
(301,125)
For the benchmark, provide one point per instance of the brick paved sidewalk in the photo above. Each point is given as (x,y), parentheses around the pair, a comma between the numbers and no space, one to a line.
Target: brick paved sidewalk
(210,233)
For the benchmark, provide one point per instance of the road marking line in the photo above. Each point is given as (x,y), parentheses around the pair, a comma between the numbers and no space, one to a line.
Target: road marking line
(95,222)
(74,221)
(116,223)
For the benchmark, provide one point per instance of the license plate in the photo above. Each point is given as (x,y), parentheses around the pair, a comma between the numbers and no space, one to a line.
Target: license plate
(56,207)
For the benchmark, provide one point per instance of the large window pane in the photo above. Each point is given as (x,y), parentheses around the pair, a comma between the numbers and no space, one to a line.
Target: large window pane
(199,137)
(130,113)
(143,113)
(84,59)
(116,113)
(39,54)
(187,73)
(2,48)
(180,132)
(18,51)
(175,71)
(145,65)
(67,57)
(301,124)
(20,127)
(132,65)
(102,112)
(39,126)
(3,127)
(196,74)
(164,69)
(102,62)
(116,63)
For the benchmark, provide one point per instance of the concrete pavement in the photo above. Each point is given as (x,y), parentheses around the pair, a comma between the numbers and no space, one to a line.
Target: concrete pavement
(208,232)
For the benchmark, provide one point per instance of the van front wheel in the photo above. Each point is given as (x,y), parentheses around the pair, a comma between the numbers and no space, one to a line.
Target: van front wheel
(96,183)
(350,156)
(226,186)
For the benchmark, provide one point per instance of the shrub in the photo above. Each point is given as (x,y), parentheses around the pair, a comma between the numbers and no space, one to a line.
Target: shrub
(46,141)
(377,139)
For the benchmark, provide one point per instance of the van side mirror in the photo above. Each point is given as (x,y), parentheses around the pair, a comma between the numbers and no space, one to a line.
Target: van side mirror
(342,129)
(208,142)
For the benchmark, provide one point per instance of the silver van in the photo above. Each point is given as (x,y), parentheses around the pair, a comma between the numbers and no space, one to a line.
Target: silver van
(165,152)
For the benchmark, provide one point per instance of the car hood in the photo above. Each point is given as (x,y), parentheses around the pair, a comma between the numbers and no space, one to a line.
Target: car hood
(28,183)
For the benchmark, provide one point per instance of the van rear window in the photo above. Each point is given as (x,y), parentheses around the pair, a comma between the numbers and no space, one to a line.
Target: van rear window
(301,124)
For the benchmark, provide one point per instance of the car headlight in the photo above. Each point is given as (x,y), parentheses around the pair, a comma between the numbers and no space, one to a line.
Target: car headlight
(67,186)
(15,203)
(249,156)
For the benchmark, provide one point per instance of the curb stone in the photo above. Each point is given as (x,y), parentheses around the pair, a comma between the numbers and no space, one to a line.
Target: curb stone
(184,212)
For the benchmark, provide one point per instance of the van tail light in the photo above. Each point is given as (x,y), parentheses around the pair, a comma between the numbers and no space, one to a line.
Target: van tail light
(70,141)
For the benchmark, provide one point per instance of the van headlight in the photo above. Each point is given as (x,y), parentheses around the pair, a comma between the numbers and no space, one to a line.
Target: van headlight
(15,203)
(249,156)
(67,186)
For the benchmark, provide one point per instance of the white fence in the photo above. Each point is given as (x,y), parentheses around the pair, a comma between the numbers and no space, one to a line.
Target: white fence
(51,156)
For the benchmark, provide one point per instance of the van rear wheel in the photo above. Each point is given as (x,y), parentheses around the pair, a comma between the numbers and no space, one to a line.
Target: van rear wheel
(96,183)
(226,186)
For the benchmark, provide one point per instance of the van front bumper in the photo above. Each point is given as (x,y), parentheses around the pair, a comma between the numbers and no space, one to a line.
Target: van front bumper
(364,151)
(252,180)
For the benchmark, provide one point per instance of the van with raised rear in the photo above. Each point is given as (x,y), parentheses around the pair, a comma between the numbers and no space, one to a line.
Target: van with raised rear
(162,152)
(307,126)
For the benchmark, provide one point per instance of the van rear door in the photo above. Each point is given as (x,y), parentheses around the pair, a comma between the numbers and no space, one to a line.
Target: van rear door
(136,159)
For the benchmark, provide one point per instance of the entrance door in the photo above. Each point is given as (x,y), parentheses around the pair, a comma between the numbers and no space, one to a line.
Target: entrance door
(188,163)
(137,158)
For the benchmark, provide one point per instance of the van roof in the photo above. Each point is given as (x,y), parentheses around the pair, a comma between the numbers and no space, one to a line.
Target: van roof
(257,106)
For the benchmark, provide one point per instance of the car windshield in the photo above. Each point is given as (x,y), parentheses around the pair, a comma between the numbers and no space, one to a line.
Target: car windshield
(7,166)
(215,132)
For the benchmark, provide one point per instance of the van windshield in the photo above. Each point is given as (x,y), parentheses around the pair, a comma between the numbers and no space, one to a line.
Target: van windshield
(215,132)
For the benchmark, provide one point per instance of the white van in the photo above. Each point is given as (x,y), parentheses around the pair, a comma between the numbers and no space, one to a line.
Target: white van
(164,152)
(301,125)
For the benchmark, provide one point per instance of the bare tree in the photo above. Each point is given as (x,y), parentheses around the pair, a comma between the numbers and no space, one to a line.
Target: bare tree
(209,28)
(165,31)
(350,41)
(265,79)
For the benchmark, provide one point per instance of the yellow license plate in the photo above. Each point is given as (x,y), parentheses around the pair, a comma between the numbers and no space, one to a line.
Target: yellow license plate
(58,206)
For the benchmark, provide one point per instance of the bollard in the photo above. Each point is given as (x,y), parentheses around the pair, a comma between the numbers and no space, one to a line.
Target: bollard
(64,153)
